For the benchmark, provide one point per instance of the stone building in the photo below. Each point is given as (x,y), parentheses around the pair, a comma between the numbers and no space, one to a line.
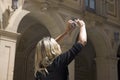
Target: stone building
(24,22)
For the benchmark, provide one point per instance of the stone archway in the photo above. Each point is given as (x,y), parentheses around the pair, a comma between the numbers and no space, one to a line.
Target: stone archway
(94,57)
(118,64)
(24,60)
(15,19)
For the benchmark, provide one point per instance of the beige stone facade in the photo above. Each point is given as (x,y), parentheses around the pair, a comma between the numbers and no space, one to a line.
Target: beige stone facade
(28,21)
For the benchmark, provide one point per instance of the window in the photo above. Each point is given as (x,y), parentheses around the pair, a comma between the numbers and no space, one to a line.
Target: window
(14,4)
(90,4)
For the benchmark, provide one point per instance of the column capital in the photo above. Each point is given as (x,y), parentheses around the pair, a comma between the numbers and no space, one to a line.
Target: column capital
(8,36)
(107,58)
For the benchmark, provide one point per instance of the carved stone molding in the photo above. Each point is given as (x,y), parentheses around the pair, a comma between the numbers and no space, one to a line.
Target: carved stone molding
(112,10)
(8,9)
(112,7)
(5,18)
(8,35)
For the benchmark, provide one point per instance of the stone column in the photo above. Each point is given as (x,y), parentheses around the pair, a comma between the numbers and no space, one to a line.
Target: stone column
(113,72)
(106,68)
(7,54)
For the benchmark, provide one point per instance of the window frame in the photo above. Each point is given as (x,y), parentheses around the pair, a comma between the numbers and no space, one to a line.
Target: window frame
(88,8)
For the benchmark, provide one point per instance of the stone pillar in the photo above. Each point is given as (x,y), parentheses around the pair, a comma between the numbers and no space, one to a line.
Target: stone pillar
(113,72)
(7,54)
(106,68)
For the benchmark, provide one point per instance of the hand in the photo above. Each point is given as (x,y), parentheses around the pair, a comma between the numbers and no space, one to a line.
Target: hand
(69,29)
(80,22)
(70,26)
(82,35)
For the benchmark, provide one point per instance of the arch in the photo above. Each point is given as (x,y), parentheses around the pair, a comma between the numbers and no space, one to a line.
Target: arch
(45,18)
(99,41)
(24,59)
(32,30)
(49,21)
(99,46)
(15,19)
(118,64)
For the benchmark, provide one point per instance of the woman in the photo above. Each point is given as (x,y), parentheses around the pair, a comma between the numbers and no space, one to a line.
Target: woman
(50,62)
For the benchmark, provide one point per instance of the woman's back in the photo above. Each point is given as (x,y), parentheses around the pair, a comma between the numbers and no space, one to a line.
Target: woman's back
(58,69)
(50,64)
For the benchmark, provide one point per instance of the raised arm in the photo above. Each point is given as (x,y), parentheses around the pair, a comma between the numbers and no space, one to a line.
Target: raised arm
(82,35)
(68,56)
(69,28)
(58,38)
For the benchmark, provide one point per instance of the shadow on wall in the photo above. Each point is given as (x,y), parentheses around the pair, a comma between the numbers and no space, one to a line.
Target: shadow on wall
(5,18)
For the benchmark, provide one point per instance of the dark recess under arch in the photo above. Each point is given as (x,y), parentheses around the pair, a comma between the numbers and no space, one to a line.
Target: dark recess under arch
(24,58)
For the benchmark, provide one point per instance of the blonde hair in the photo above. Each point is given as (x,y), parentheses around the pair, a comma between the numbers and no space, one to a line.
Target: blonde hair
(47,50)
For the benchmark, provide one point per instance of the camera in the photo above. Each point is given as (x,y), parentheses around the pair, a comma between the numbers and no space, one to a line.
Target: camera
(74,24)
